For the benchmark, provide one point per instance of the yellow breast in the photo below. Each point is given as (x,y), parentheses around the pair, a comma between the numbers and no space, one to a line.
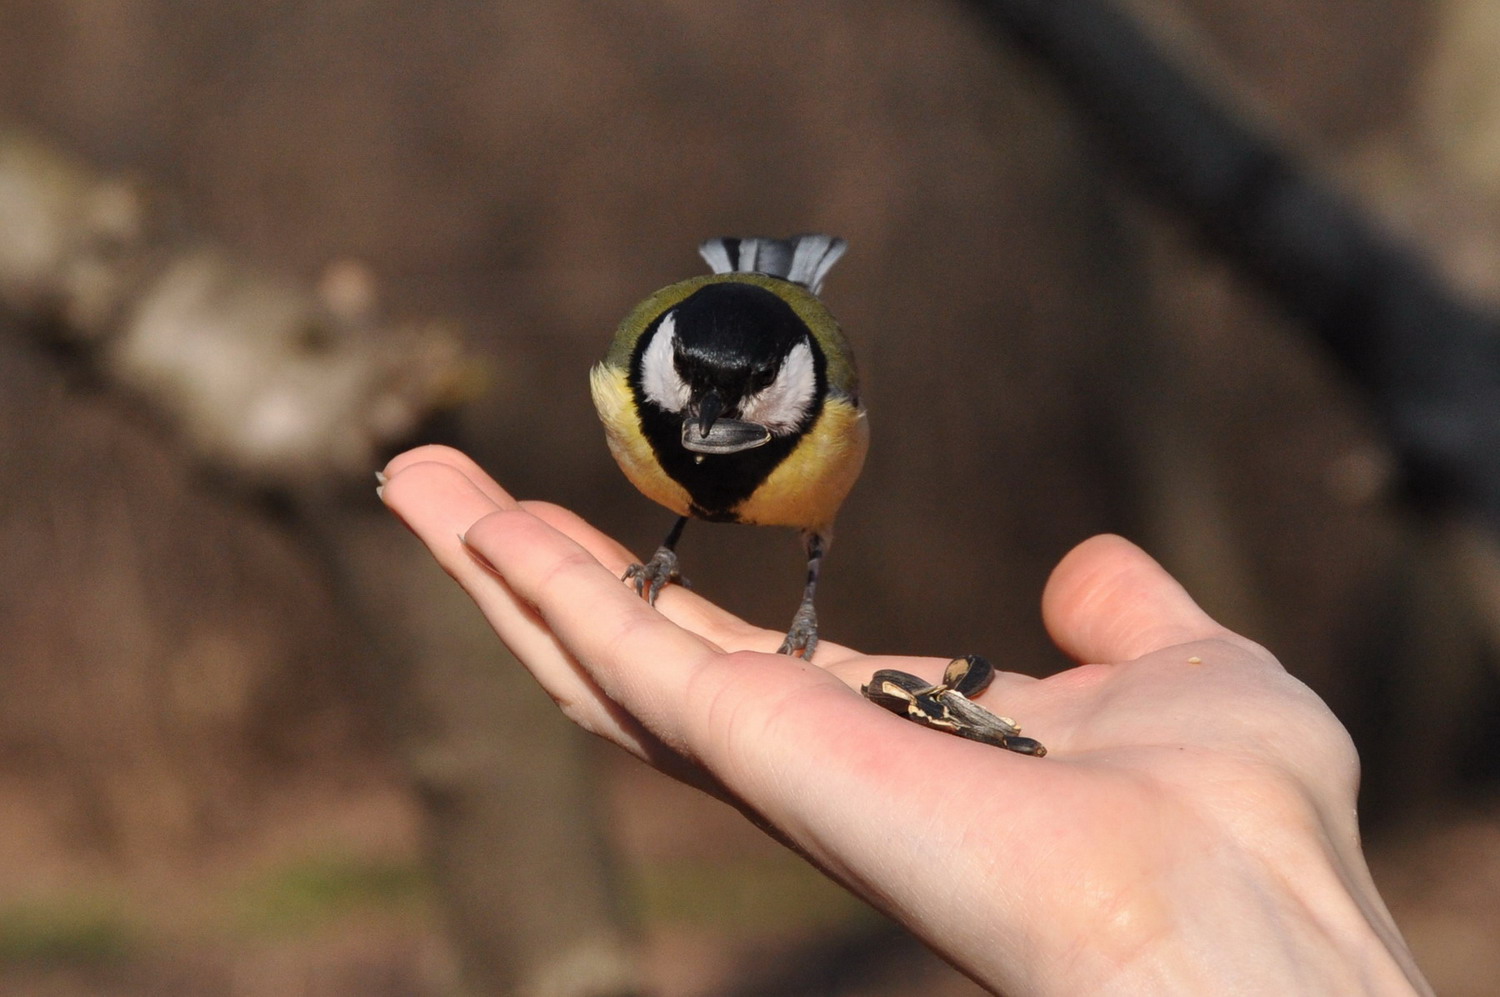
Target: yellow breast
(805,490)
(808,487)
(631,449)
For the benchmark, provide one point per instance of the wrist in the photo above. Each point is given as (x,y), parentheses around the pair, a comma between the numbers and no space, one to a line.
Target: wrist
(1240,924)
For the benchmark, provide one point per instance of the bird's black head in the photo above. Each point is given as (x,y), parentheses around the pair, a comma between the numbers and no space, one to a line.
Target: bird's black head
(731,339)
(733,351)
(729,374)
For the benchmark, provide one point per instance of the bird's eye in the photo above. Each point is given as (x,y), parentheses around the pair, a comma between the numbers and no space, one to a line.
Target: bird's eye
(785,398)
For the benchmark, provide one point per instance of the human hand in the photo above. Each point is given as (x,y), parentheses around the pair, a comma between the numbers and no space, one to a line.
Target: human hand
(1191,830)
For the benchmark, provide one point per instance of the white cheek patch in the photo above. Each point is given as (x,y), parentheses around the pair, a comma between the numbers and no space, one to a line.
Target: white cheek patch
(783,404)
(660,381)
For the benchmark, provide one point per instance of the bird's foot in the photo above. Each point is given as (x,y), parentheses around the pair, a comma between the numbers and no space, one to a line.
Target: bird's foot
(802,636)
(653,576)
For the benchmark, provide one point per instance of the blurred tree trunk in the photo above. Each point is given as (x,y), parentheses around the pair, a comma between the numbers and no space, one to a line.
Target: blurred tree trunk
(509,787)
(284,392)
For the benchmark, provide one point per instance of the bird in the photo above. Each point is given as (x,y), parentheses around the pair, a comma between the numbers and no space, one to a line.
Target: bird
(733,397)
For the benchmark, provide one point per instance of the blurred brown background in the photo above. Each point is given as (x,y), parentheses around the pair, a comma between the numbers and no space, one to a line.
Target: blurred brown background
(251,744)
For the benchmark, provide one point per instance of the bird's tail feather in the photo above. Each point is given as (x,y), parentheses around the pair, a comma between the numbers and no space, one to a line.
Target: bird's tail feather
(804,259)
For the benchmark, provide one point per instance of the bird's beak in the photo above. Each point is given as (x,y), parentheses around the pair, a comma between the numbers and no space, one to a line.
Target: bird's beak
(710,407)
(709,433)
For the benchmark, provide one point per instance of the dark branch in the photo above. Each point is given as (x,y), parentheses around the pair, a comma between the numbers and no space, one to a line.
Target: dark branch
(1428,360)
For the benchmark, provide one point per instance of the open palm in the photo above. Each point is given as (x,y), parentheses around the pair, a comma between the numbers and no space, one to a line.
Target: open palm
(1192,829)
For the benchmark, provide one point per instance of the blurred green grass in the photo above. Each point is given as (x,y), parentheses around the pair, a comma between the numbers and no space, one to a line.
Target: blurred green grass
(765,894)
(67,930)
(309,892)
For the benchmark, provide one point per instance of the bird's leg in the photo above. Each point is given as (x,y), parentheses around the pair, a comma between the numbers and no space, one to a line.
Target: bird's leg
(650,578)
(803,635)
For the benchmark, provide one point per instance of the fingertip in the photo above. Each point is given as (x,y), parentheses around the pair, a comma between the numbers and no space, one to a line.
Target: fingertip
(455,461)
(1085,564)
(1108,600)
(431,453)
(438,502)
(425,479)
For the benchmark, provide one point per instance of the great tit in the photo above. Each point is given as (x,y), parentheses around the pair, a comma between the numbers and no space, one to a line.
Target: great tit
(733,397)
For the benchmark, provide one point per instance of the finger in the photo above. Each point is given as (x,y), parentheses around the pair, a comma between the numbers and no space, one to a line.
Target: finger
(459,461)
(440,504)
(1107,601)
(682,606)
(752,720)
(636,656)
(662,674)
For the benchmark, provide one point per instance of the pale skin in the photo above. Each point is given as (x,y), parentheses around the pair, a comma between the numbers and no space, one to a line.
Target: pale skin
(1191,831)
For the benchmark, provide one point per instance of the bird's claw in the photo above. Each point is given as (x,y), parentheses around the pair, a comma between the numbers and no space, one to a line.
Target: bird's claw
(650,578)
(802,635)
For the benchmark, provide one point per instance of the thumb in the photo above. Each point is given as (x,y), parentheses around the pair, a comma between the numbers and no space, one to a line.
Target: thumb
(1108,600)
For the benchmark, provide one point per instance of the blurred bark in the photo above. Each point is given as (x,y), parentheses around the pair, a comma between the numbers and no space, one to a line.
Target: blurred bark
(1440,877)
(281,387)
(511,794)
(289,392)
(1428,360)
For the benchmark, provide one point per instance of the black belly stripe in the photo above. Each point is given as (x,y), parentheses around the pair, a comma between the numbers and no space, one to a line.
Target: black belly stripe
(720,482)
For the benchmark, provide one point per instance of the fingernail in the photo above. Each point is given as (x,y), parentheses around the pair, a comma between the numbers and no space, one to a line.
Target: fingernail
(484,562)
